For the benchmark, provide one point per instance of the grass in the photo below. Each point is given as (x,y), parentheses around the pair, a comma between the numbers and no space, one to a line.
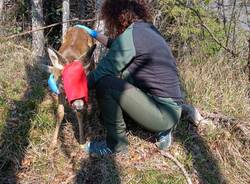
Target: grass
(157,177)
(217,85)
(211,153)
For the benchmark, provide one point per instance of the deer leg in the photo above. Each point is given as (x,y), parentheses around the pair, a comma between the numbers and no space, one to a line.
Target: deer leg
(59,118)
(80,116)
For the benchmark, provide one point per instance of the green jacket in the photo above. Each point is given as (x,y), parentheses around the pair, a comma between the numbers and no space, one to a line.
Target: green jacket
(142,57)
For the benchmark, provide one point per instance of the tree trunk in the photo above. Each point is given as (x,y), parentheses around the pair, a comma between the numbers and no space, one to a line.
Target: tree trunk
(82,8)
(1,9)
(37,22)
(66,12)
(99,26)
(1,17)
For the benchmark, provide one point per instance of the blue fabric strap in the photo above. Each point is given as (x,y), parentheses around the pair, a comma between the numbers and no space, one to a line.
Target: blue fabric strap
(52,84)
(91,32)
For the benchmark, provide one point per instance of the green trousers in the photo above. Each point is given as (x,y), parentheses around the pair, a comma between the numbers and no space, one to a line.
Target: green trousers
(115,95)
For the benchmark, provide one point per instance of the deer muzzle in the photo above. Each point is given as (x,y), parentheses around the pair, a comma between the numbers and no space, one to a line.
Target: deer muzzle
(78,105)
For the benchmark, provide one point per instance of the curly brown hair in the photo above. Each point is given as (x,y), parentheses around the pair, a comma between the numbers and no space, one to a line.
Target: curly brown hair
(119,14)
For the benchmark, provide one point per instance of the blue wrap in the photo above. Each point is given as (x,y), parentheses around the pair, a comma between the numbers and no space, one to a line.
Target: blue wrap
(91,32)
(52,84)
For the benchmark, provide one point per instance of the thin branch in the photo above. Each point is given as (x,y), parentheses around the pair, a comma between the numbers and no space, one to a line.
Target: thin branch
(45,27)
(224,16)
(217,41)
(170,157)
(183,170)
(197,13)
(230,23)
(69,179)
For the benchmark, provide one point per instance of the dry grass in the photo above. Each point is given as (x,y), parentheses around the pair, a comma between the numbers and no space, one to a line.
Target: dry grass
(211,153)
(217,85)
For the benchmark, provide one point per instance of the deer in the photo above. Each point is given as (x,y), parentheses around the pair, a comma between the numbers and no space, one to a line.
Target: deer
(78,46)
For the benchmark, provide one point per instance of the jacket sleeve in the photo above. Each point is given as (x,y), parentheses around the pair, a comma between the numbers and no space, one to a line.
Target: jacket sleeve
(120,54)
(110,41)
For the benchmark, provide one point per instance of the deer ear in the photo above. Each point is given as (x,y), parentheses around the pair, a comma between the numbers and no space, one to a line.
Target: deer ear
(55,58)
(85,58)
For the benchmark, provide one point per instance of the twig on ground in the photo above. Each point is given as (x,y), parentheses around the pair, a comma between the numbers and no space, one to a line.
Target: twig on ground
(130,179)
(69,179)
(138,181)
(171,157)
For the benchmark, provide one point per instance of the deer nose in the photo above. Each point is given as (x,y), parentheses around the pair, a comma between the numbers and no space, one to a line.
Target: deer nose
(78,105)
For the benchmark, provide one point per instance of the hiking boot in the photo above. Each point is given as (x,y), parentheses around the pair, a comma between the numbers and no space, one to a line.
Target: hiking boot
(100,149)
(97,148)
(164,139)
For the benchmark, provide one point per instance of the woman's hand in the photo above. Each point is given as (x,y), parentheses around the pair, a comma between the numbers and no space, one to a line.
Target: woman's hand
(94,34)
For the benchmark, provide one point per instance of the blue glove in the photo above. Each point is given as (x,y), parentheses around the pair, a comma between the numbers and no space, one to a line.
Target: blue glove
(91,32)
(52,84)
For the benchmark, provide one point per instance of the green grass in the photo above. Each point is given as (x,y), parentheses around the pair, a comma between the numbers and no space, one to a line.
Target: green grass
(156,177)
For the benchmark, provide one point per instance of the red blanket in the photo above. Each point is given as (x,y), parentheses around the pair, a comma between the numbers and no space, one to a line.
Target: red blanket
(75,82)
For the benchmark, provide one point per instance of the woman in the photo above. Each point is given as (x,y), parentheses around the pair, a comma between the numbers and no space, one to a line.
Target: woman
(138,75)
